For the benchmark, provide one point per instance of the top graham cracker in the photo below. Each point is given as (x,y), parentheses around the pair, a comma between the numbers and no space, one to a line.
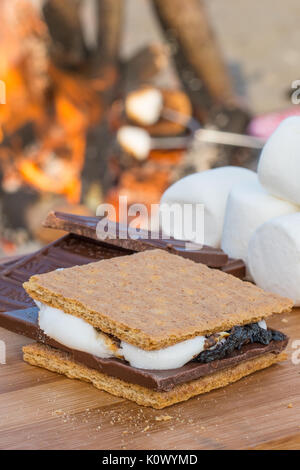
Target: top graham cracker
(155,299)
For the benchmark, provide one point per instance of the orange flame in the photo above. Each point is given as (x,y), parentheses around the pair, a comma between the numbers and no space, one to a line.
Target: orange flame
(55,161)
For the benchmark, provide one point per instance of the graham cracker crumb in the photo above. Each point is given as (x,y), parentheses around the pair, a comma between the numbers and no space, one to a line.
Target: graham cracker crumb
(163,418)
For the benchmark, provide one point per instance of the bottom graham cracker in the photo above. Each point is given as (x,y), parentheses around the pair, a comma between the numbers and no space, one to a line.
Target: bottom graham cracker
(58,361)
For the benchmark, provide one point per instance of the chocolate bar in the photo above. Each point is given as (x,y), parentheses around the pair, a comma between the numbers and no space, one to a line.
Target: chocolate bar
(87,227)
(235,267)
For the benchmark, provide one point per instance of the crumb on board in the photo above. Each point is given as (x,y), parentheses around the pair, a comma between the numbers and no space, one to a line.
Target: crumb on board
(290,405)
(284,320)
(163,418)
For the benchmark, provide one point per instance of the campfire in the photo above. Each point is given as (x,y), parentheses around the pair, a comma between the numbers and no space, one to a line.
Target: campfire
(49,111)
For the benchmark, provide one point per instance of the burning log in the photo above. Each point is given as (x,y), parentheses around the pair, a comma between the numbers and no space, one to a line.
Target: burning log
(142,67)
(205,79)
(84,34)
(195,50)
(67,46)
(92,57)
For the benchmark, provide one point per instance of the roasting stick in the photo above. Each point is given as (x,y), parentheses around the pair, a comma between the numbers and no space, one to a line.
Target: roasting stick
(209,136)
(202,135)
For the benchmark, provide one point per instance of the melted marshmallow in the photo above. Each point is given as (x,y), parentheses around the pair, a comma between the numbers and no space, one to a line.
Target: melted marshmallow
(166,358)
(76,333)
(144,106)
(73,332)
(262,324)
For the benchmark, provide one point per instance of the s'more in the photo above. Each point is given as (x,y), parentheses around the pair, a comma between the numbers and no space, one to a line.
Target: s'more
(153,327)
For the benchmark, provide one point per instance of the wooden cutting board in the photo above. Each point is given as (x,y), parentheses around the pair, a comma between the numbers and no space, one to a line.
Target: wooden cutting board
(42,410)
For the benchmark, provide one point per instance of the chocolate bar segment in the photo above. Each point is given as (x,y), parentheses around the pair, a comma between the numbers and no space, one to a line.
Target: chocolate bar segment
(118,236)
(235,267)
(26,322)
(65,252)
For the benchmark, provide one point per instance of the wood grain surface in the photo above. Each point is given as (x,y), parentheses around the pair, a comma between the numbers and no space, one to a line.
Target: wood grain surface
(43,410)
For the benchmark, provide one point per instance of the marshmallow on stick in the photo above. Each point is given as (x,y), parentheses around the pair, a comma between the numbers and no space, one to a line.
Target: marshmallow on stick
(279,165)
(144,106)
(274,256)
(135,141)
(210,188)
(248,206)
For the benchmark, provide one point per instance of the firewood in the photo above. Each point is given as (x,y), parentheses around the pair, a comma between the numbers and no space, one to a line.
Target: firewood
(191,36)
(67,46)
(142,67)
(205,78)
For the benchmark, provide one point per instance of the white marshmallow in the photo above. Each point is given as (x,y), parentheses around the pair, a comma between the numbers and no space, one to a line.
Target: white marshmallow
(76,333)
(279,164)
(274,256)
(73,332)
(248,206)
(163,359)
(135,141)
(144,106)
(210,188)
(262,324)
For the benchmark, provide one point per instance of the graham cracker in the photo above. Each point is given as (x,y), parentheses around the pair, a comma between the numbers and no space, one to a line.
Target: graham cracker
(155,299)
(60,362)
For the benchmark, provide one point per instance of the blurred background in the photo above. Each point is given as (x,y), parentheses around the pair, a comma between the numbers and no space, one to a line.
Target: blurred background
(77,73)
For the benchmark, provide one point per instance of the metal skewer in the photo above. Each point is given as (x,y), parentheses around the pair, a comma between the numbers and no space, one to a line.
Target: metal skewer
(201,134)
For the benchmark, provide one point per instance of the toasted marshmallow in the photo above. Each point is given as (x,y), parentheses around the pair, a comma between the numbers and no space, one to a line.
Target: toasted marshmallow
(135,141)
(144,106)
(77,334)
(166,358)
(74,332)
(262,324)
